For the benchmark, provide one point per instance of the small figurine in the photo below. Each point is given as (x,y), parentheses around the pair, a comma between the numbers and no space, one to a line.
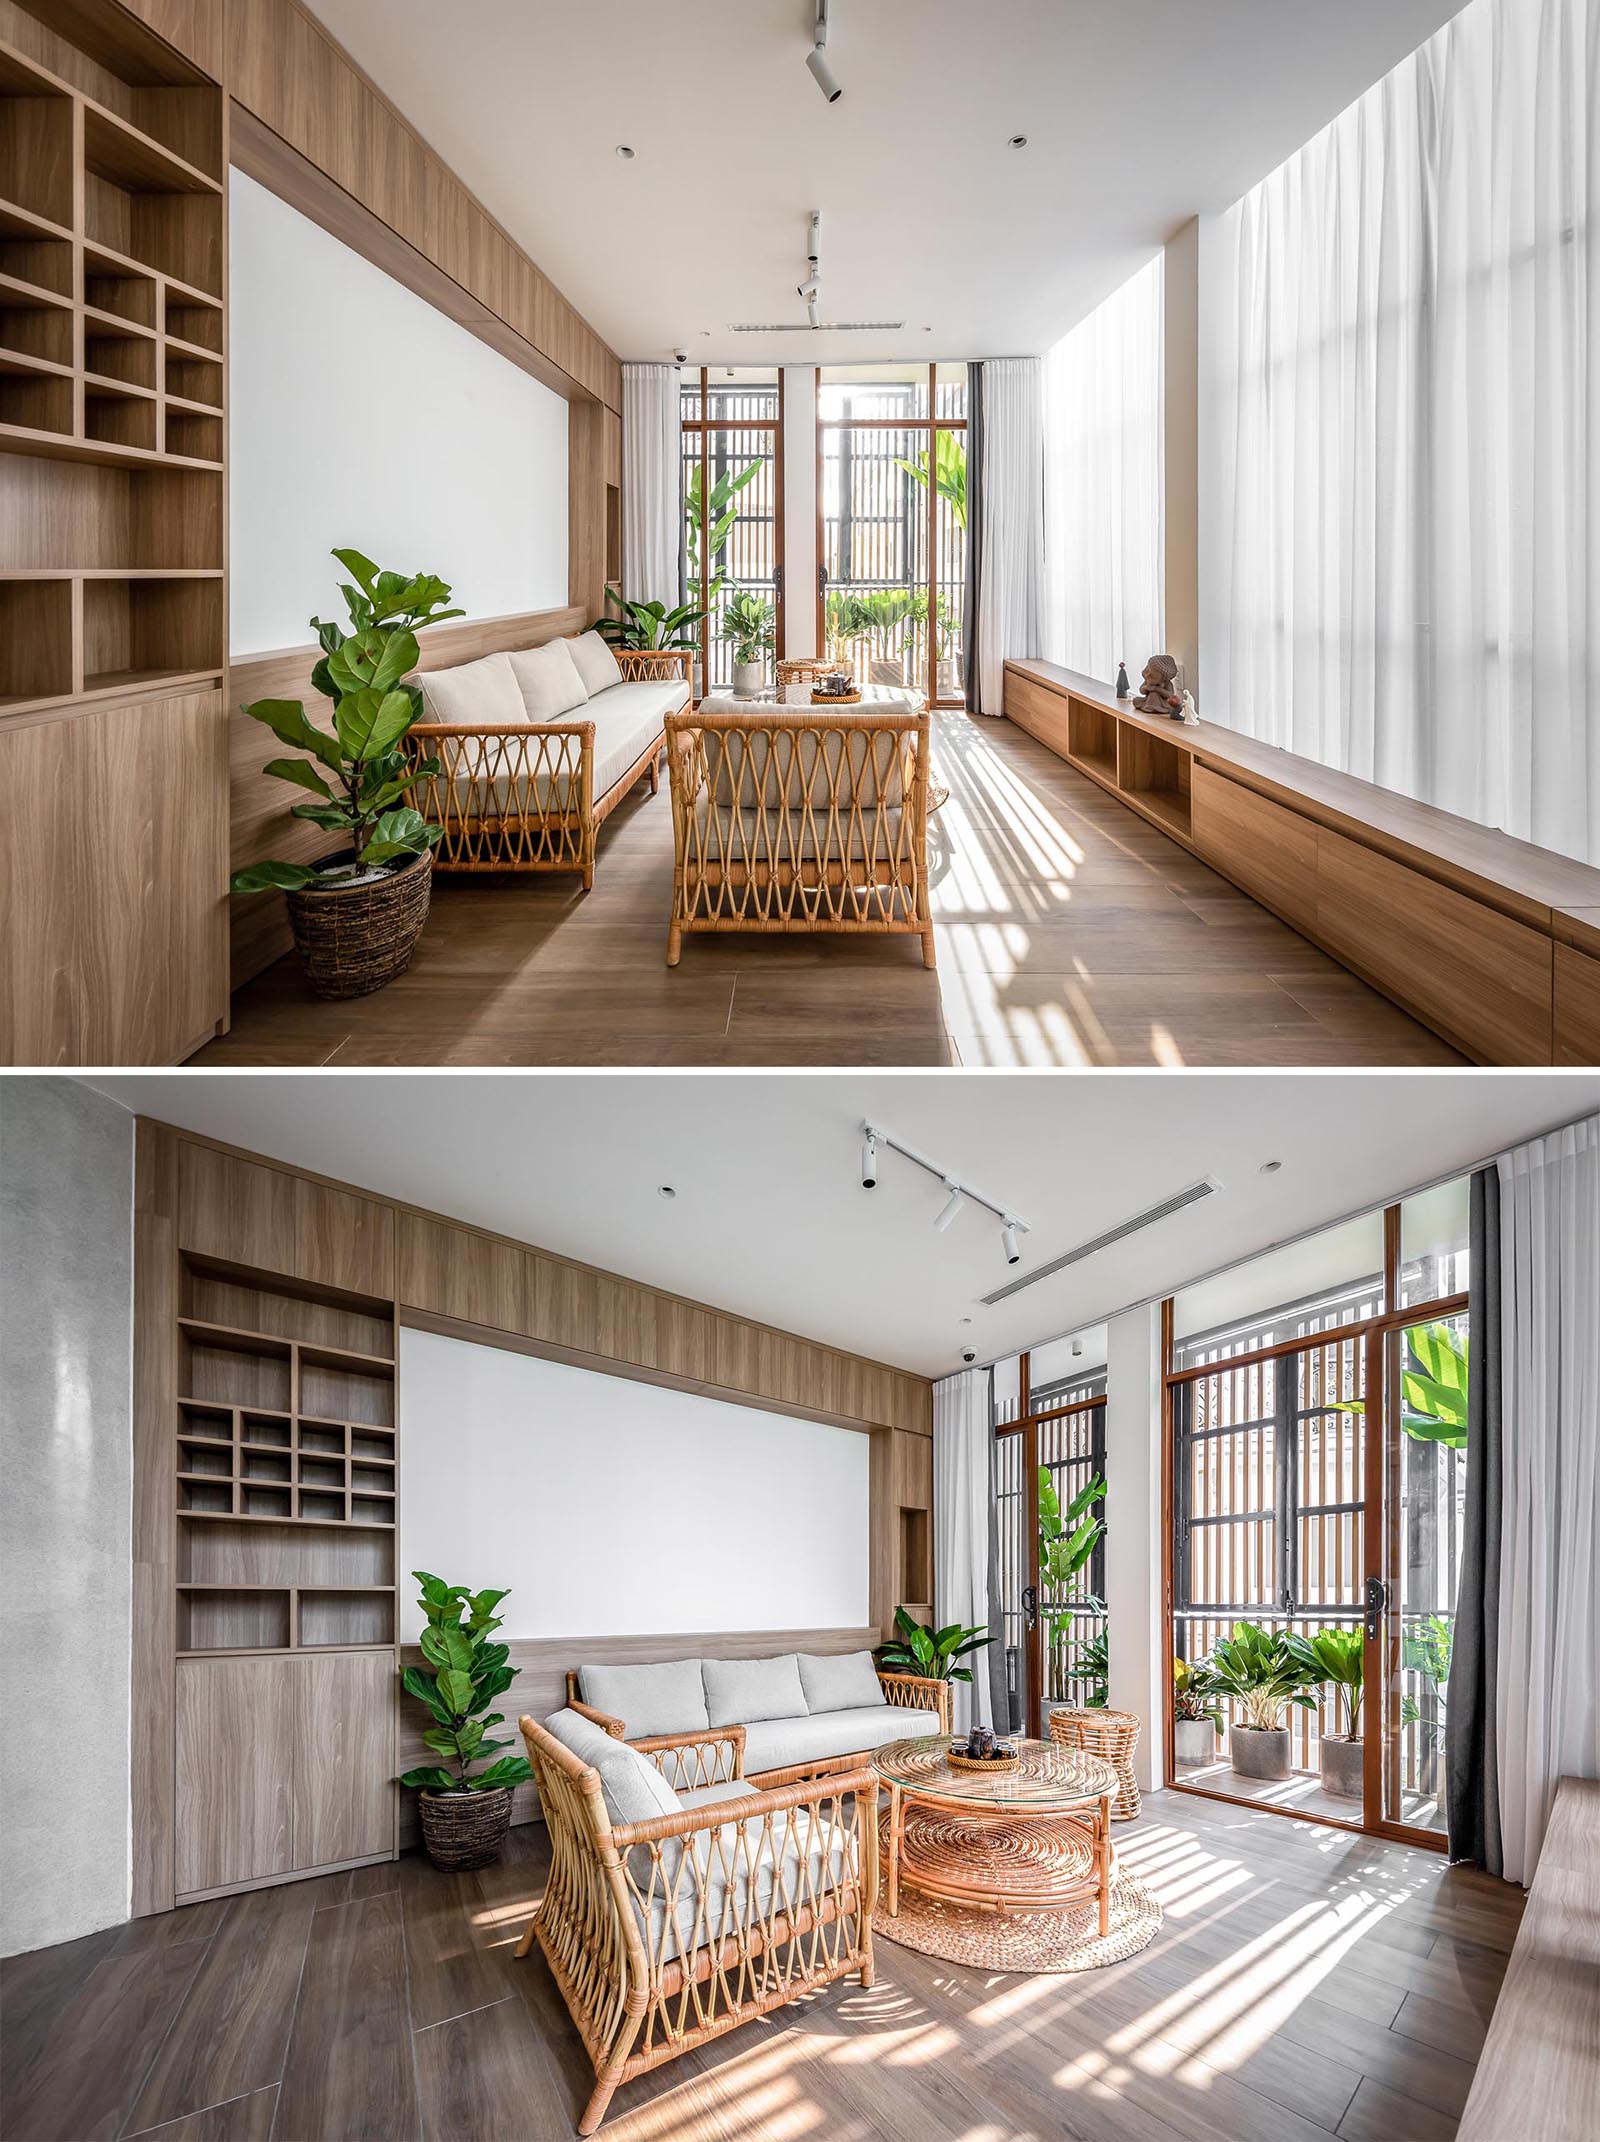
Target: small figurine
(1122,680)
(1159,692)
(1190,713)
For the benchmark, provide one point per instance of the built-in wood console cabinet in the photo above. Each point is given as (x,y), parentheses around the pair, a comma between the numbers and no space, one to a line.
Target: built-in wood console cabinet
(1493,943)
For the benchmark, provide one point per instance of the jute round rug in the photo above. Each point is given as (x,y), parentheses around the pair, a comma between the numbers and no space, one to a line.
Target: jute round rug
(1025,1941)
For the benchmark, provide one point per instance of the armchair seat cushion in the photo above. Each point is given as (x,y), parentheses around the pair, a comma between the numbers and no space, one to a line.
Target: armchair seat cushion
(789,834)
(839,1681)
(744,1870)
(782,1743)
(667,1697)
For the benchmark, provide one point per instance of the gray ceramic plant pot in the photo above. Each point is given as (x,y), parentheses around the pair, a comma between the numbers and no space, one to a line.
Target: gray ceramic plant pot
(1342,1765)
(749,678)
(1194,1741)
(1257,1754)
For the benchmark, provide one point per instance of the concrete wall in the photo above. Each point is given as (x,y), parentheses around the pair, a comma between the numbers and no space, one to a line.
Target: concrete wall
(1133,1527)
(66,1459)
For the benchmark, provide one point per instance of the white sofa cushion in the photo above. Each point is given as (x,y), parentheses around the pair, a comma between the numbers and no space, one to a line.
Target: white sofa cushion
(754,838)
(549,681)
(478,694)
(634,1789)
(778,1743)
(594,662)
(788,1867)
(668,1697)
(739,1691)
(842,1681)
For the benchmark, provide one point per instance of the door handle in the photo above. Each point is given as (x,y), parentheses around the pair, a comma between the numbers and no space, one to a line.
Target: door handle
(1030,1605)
(822,580)
(1377,1606)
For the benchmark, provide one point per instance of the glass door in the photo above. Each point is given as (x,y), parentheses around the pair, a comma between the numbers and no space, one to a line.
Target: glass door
(732,430)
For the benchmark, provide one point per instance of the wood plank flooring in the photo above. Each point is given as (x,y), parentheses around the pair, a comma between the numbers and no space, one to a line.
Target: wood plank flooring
(1069,932)
(1303,1984)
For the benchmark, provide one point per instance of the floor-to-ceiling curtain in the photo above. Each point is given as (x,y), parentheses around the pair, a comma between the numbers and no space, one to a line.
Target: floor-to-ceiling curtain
(961,1439)
(1011,573)
(1105,601)
(1547,1721)
(970,637)
(1402,397)
(652,483)
(1472,1774)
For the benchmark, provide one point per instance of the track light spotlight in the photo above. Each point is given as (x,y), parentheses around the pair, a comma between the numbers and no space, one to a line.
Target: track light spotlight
(952,1205)
(869,1160)
(1009,1243)
(817,57)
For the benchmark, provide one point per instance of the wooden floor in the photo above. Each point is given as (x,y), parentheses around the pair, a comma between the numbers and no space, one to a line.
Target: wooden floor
(1304,1983)
(1069,932)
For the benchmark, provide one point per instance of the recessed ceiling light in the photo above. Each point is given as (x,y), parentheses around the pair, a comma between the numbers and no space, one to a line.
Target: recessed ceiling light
(1270,1167)
(966,1320)
(666,1190)
(624,152)
(1018,141)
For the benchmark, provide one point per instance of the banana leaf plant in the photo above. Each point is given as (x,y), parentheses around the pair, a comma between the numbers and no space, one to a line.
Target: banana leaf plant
(1067,1538)
(710,520)
(358,775)
(931,1653)
(468,1671)
(1090,1662)
(1433,1386)
(949,473)
(648,625)
(1340,1657)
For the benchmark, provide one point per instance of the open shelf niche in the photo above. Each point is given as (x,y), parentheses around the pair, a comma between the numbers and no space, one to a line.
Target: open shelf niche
(286,1467)
(113,216)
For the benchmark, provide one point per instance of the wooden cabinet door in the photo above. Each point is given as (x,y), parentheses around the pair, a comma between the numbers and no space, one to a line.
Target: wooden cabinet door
(344,1796)
(235,1755)
(343,1241)
(454,1272)
(237,1211)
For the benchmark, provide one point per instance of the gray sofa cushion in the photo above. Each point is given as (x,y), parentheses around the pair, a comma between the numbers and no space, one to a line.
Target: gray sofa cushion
(668,1697)
(739,1691)
(634,1789)
(778,1743)
(845,1681)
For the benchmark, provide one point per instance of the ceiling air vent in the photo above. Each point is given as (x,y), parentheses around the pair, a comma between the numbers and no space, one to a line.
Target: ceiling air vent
(1206,1187)
(825,327)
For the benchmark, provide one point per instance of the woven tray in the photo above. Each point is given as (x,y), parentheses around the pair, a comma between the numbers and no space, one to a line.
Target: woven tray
(989,1766)
(835,699)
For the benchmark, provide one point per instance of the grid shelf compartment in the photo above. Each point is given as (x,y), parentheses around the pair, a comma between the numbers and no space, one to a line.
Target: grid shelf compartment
(206,1497)
(35,141)
(265,1429)
(320,1507)
(269,1467)
(198,325)
(214,1423)
(372,1479)
(366,1443)
(353,1616)
(199,1456)
(324,1438)
(1092,739)
(322,1473)
(37,401)
(116,415)
(145,626)
(192,437)
(264,1500)
(121,353)
(237,1372)
(249,1618)
(35,638)
(115,286)
(336,1392)
(1154,775)
(372,1509)
(31,329)
(194,380)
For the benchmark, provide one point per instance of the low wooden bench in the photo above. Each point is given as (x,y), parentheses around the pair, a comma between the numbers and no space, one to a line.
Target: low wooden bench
(1492,942)
(1539,2071)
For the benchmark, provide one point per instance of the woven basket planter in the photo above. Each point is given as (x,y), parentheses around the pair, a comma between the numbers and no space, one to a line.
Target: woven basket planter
(465,1829)
(352,939)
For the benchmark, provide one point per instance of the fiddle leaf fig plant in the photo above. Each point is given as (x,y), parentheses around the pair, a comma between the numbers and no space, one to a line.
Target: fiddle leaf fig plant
(464,1673)
(932,1653)
(358,775)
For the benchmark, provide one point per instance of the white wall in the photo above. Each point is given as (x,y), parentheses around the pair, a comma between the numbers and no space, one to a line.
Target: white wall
(362,417)
(66,1512)
(614,1508)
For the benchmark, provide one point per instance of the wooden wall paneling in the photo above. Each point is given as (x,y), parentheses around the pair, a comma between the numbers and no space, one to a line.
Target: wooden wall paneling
(1269,852)
(260,824)
(883,1573)
(1475,976)
(238,1211)
(586,505)
(344,1797)
(1577,1006)
(913,1471)
(194,26)
(115,941)
(454,1272)
(564,1307)
(155,1411)
(235,1740)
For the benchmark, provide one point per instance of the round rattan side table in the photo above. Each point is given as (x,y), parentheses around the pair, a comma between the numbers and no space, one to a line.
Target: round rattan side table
(1111,1735)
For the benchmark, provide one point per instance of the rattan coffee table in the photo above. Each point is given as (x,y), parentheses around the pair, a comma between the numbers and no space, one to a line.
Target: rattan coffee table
(1037,1838)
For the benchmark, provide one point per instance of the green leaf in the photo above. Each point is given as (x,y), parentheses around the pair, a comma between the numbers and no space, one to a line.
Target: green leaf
(358,567)
(397,833)
(399,655)
(336,817)
(430,1779)
(456,1692)
(510,1770)
(287,719)
(370,722)
(301,774)
(271,877)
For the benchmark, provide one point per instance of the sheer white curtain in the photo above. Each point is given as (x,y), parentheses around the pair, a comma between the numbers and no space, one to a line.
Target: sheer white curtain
(1546,1711)
(961,1439)
(1403,547)
(652,482)
(1011,574)
(1105,600)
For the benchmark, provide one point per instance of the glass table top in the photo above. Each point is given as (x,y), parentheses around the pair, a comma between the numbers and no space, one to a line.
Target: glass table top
(1047,1776)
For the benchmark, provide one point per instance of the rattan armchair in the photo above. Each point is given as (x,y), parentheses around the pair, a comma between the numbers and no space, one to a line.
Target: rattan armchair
(795,819)
(521,796)
(663,1934)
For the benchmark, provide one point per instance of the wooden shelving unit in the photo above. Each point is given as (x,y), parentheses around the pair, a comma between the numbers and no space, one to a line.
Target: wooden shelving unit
(113,366)
(285,1467)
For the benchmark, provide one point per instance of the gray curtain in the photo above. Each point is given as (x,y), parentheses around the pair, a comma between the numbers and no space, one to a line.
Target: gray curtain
(1472,1788)
(969,645)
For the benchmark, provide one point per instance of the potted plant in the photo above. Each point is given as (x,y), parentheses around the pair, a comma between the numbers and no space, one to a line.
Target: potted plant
(1338,1656)
(1197,1716)
(357,914)
(749,624)
(1264,1675)
(931,1653)
(647,625)
(464,1815)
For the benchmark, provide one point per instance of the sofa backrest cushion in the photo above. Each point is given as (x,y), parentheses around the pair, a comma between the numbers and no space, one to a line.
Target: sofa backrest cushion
(634,1789)
(480,694)
(739,1691)
(548,679)
(668,1697)
(842,1681)
(594,662)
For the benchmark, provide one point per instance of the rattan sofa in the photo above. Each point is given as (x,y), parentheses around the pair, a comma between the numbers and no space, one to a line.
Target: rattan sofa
(665,1929)
(789,819)
(531,794)
(788,1718)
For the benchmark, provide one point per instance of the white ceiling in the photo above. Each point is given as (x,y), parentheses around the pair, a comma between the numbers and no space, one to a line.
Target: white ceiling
(770,1220)
(1139,114)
